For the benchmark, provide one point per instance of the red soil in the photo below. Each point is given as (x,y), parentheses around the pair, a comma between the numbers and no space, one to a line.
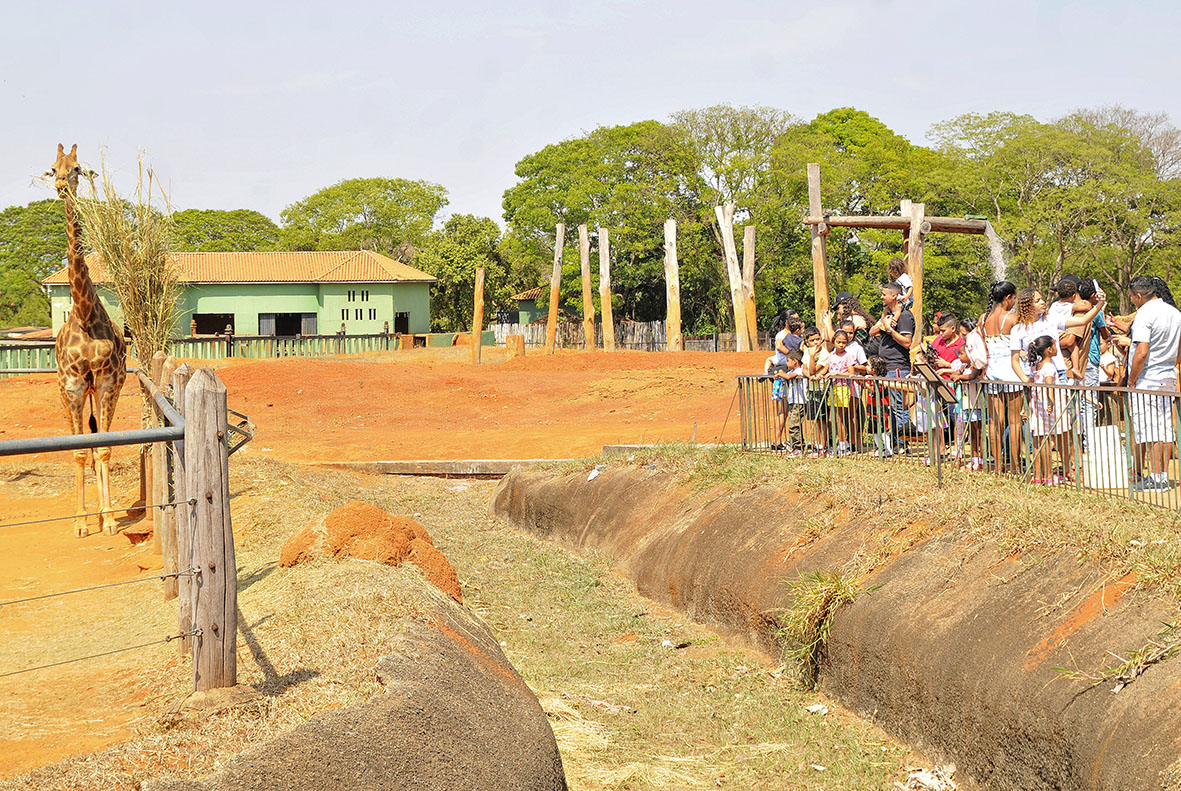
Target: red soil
(361,530)
(421,404)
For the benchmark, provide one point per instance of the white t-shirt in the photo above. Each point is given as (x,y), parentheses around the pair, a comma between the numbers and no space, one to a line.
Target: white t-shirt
(1024,334)
(1159,325)
(1059,311)
(780,357)
(1107,358)
(907,284)
(858,352)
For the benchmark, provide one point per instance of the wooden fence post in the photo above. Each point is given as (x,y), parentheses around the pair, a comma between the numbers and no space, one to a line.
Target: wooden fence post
(555,286)
(605,291)
(215,594)
(478,317)
(748,284)
(819,263)
(914,266)
(725,215)
(184,514)
(588,301)
(675,341)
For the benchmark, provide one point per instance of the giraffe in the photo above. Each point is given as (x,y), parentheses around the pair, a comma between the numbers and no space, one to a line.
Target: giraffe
(91,353)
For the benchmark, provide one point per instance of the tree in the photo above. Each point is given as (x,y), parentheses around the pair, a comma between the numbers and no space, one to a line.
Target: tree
(629,179)
(218,231)
(32,246)
(452,255)
(390,216)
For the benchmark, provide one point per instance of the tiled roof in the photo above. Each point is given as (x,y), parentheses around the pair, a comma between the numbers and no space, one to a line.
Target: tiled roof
(337,266)
(533,293)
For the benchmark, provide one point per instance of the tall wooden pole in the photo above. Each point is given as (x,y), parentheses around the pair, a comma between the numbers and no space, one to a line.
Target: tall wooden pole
(555,286)
(748,284)
(605,291)
(214,587)
(158,491)
(819,264)
(675,342)
(725,215)
(478,317)
(914,265)
(588,300)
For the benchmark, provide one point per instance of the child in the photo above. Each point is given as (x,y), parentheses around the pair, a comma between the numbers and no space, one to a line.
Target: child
(791,404)
(897,271)
(842,363)
(963,373)
(929,417)
(815,368)
(1047,405)
(877,408)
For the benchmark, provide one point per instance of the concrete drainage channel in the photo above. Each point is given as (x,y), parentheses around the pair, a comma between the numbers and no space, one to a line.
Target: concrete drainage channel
(955,649)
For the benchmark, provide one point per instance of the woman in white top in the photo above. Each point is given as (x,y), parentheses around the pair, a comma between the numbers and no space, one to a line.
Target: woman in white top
(1000,384)
(1032,323)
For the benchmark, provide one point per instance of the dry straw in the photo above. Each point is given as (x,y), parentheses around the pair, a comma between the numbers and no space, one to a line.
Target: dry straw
(133,240)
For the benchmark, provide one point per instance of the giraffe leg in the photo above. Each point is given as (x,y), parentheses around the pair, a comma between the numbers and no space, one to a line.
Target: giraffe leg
(80,458)
(73,395)
(106,400)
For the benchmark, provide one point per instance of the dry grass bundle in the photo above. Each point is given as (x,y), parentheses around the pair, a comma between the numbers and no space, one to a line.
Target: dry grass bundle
(133,240)
(807,623)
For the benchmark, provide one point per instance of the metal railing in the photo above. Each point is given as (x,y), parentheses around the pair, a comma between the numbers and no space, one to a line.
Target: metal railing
(1122,442)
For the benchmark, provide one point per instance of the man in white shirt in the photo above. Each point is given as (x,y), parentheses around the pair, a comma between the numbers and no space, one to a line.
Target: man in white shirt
(1156,335)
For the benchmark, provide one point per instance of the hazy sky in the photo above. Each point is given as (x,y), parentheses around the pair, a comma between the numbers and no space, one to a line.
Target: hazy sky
(257,105)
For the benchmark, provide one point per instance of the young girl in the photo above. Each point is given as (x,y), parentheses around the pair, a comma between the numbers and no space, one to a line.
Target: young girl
(842,362)
(897,271)
(1047,407)
(929,417)
(1002,388)
(965,374)
(877,409)
(815,368)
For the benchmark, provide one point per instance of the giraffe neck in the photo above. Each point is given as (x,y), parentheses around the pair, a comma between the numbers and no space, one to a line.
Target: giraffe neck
(82,291)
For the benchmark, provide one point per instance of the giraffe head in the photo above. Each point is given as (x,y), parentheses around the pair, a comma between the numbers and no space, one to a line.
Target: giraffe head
(66,170)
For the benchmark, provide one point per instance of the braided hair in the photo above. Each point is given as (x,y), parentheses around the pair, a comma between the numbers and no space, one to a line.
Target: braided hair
(1037,350)
(1162,290)
(997,294)
(1025,300)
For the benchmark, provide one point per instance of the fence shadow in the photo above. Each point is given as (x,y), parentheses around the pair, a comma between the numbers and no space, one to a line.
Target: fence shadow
(273,684)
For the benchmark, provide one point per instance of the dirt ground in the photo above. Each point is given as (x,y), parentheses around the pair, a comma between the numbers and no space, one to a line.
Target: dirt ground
(433,404)
(423,404)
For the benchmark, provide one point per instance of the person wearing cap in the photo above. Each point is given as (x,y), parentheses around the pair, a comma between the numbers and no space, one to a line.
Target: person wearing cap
(896,330)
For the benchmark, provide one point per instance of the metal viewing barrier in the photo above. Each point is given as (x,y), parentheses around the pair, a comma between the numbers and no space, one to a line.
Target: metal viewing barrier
(1118,441)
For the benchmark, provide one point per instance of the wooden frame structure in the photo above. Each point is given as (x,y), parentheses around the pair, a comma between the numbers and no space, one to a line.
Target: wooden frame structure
(913,223)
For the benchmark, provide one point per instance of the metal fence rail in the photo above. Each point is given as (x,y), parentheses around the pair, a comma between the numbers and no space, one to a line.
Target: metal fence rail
(1118,441)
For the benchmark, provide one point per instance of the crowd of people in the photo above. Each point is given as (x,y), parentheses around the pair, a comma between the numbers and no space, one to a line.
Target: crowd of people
(1021,388)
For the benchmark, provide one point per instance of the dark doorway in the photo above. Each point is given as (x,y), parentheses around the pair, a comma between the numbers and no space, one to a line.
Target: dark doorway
(402,323)
(287,324)
(212,323)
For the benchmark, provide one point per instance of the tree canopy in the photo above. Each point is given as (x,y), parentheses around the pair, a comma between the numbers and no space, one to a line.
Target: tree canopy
(219,231)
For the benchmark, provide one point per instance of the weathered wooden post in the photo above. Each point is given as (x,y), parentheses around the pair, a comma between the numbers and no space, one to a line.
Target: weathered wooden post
(819,264)
(914,266)
(748,284)
(158,483)
(214,586)
(515,346)
(588,300)
(725,216)
(184,514)
(478,317)
(675,341)
(555,287)
(605,291)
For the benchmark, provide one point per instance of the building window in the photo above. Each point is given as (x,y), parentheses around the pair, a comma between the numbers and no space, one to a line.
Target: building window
(357,314)
(344,314)
(365,295)
(373,314)
(352,295)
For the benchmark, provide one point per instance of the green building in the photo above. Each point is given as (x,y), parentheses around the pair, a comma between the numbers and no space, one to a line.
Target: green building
(527,311)
(280,293)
